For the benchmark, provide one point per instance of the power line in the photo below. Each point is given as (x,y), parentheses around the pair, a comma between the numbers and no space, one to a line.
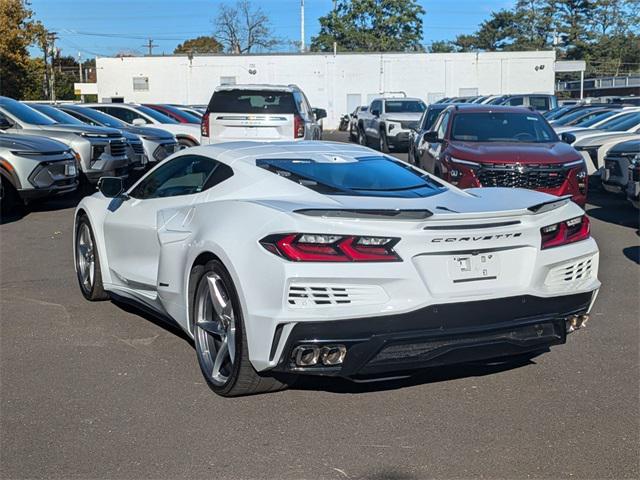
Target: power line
(150,46)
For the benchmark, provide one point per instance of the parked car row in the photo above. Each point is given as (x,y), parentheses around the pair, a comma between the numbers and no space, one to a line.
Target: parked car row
(39,142)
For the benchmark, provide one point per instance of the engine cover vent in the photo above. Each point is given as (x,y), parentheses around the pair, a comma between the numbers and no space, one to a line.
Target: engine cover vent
(305,295)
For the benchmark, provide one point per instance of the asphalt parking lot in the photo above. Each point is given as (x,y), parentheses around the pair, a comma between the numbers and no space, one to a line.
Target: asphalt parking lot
(99,390)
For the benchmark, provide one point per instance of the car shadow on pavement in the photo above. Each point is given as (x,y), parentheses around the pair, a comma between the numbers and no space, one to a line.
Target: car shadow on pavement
(136,309)
(612,208)
(57,203)
(432,375)
(632,253)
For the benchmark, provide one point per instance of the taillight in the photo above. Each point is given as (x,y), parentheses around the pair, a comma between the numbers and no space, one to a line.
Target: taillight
(306,247)
(298,127)
(562,233)
(204,125)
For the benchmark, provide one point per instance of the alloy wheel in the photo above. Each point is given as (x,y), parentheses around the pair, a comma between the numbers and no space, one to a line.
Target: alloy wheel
(85,257)
(215,329)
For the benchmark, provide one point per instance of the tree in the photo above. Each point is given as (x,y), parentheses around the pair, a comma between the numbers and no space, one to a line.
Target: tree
(242,28)
(371,25)
(17,33)
(200,45)
(441,46)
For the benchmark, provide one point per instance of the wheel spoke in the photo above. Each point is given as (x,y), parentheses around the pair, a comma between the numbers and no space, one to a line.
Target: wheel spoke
(221,304)
(222,353)
(213,328)
(231,342)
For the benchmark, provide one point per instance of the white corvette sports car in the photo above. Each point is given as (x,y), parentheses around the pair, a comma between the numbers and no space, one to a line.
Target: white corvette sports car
(332,259)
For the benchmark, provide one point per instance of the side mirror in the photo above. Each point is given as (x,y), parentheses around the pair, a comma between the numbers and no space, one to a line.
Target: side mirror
(320,113)
(375,113)
(138,122)
(431,136)
(5,123)
(111,187)
(568,138)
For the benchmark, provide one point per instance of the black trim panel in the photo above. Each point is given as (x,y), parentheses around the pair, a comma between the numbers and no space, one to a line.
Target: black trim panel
(451,333)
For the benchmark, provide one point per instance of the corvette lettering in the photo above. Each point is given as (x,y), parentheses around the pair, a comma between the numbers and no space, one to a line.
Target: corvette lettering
(479,238)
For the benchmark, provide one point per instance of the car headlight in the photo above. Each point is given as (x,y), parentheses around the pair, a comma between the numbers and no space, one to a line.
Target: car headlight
(155,139)
(574,163)
(93,135)
(464,162)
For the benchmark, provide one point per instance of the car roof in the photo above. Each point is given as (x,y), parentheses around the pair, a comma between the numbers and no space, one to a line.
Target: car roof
(257,86)
(246,152)
(480,108)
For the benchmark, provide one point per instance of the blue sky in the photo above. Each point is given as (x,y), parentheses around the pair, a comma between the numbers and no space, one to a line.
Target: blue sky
(106,27)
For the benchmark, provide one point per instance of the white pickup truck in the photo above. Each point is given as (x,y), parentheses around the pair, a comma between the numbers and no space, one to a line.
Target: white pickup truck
(388,121)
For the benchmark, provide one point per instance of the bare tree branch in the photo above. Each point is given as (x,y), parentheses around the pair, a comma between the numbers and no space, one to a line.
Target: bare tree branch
(242,28)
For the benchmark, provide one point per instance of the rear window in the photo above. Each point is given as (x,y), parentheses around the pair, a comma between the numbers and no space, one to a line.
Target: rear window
(502,127)
(252,101)
(402,106)
(377,176)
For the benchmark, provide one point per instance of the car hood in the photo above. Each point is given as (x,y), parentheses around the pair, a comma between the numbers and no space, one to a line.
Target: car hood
(598,138)
(508,152)
(61,127)
(149,132)
(630,146)
(403,117)
(31,143)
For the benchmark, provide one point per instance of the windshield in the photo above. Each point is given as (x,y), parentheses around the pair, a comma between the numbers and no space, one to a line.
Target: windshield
(57,115)
(570,117)
(404,106)
(189,117)
(99,117)
(160,117)
(621,123)
(502,127)
(598,118)
(377,176)
(252,101)
(26,114)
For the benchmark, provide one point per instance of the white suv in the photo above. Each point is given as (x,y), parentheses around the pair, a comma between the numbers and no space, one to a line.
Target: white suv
(260,112)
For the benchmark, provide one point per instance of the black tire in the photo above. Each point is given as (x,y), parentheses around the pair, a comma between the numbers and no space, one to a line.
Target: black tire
(85,187)
(384,145)
(243,378)
(93,292)
(11,204)
(362,137)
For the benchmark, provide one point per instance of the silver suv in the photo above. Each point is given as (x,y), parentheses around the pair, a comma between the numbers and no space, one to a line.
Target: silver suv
(389,122)
(157,144)
(100,151)
(32,168)
(260,112)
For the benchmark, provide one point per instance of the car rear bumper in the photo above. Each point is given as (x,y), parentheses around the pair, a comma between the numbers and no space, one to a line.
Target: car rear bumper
(438,335)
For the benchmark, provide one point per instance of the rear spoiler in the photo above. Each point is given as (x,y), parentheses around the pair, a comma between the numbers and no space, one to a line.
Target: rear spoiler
(550,205)
(368,214)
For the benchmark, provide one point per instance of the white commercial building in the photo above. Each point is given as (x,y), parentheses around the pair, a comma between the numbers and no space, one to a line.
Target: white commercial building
(337,83)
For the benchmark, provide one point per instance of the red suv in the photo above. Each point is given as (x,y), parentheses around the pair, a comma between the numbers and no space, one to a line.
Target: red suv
(494,146)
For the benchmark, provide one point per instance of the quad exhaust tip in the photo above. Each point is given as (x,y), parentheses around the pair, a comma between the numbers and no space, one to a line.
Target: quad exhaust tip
(312,355)
(574,322)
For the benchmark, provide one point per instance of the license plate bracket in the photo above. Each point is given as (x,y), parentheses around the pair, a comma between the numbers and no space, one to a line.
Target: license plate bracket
(473,267)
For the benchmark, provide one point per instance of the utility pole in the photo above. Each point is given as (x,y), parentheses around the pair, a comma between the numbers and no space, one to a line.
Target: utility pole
(81,74)
(335,44)
(150,46)
(51,42)
(302,46)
